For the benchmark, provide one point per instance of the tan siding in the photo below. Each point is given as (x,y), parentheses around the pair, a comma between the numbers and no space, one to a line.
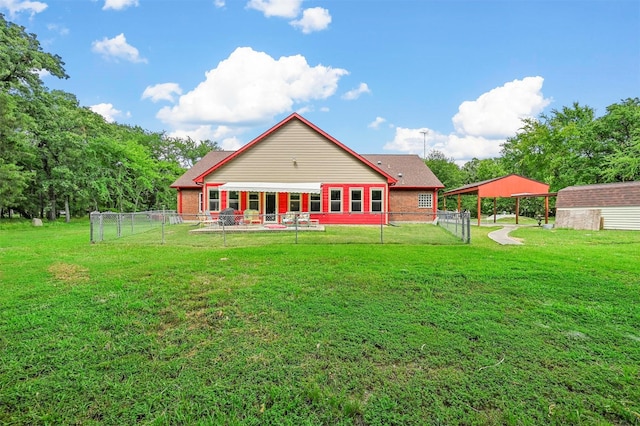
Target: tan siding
(317,160)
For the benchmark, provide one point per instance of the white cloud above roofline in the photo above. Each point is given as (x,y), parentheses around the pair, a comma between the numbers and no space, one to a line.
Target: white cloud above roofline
(252,87)
(482,125)
(117,48)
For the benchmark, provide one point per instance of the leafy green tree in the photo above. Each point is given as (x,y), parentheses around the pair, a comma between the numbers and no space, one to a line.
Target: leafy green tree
(619,129)
(21,58)
(447,171)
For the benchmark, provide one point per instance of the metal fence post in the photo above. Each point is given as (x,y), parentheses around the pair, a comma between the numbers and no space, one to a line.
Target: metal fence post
(101,227)
(162,226)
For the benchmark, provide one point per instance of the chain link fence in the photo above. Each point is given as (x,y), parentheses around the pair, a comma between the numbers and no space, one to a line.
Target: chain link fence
(381,227)
(111,225)
(458,223)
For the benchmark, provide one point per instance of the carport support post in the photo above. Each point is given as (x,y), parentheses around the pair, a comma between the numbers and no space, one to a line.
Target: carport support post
(546,209)
(479,205)
(517,209)
(459,203)
(495,211)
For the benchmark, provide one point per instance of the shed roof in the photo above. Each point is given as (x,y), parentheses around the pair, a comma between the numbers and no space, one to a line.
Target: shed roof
(504,186)
(621,194)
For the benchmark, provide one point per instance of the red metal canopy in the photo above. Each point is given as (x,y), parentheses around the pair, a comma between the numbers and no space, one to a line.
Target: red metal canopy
(512,185)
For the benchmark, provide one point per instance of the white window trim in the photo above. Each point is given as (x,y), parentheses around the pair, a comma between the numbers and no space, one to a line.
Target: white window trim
(429,199)
(371,200)
(341,200)
(239,199)
(299,202)
(319,201)
(209,198)
(361,200)
(249,200)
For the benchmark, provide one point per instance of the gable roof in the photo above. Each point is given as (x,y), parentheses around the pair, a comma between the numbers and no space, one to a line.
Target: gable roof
(409,169)
(205,163)
(503,186)
(295,116)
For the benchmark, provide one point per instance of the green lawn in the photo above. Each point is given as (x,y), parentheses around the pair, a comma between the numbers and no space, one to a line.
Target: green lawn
(330,331)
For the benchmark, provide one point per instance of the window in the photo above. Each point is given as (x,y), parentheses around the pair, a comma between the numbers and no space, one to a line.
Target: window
(254,201)
(356,200)
(234,200)
(294,202)
(335,197)
(314,203)
(376,200)
(200,202)
(214,200)
(425,201)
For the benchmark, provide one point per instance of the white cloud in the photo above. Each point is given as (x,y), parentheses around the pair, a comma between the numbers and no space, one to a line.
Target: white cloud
(164,91)
(279,8)
(117,48)
(355,93)
(313,19)
(219,3)
(42,73)
(60,29)
(16,6)
(107,111)
(252,87)
(224,135)
(499,112)
(375,124)
(482,126)
(119,4)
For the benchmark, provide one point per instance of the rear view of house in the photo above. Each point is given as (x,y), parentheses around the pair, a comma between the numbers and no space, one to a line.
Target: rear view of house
(297,167)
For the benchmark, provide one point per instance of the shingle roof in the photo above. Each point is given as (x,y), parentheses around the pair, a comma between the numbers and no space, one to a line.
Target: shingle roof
(208,161)
(409,170)
(621,194)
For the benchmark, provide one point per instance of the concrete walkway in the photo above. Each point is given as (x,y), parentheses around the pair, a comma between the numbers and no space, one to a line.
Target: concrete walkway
(501,236)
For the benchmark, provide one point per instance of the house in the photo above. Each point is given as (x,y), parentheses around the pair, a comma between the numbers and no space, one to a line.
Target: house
(295,166)
(601,206)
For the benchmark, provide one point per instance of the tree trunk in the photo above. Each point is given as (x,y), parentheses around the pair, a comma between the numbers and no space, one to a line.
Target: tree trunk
(67,214)
(52,203)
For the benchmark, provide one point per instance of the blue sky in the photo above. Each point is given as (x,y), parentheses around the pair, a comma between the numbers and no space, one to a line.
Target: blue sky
(372,73)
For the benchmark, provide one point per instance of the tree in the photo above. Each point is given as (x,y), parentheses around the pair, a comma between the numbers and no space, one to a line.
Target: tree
(620,131)
(21,58)
(446,170)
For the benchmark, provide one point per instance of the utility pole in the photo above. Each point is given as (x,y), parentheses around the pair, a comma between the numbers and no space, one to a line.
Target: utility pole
(424,141)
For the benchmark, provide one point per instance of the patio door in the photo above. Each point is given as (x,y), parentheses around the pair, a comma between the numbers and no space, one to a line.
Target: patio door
(271,207)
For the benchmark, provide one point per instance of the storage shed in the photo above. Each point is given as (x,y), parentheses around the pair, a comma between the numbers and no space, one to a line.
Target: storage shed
(602,206)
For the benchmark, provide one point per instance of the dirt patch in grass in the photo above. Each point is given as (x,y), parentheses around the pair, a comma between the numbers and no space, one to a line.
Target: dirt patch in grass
(69,273)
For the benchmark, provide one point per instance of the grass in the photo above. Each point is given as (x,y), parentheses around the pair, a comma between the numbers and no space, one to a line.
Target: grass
(328,331)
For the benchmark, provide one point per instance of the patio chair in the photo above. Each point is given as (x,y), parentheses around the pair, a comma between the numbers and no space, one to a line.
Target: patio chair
(289,219)
(304,218)
(251,217)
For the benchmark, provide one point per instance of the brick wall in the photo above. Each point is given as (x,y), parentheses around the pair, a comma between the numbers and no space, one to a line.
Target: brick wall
(188,201)
(406,202)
